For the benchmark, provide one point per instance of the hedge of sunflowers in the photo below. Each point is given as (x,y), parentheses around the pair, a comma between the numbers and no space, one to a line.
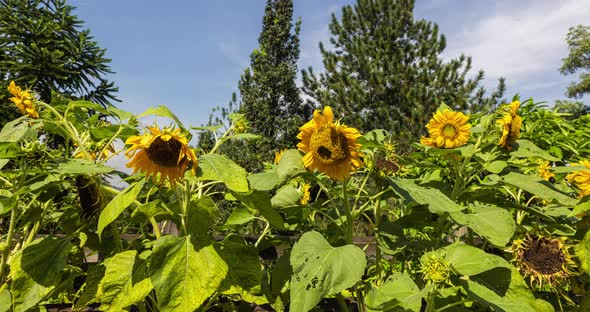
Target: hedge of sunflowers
(489,213)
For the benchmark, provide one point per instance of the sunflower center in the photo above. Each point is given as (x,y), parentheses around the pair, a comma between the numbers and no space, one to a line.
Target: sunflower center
(329,146)
(164,153)
(544,256)
(449,131)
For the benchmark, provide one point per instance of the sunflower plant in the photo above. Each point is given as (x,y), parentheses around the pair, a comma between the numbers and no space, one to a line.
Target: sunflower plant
(489,212)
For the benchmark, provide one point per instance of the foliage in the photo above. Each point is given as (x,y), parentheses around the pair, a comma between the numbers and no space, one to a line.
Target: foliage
(385,71)
(578,40)
(44,47)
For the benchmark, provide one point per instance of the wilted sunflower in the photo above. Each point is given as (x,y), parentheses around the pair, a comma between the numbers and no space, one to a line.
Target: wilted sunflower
(544,171)
(581,178)
(161,151)
(544,260)
(329,147)
(447,129)
(510,124)
(23,100)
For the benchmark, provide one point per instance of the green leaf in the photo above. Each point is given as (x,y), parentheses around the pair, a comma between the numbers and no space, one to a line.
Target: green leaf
(468,260)
(398,291)
(185,274)
(504,289)
(152,209)
(264,181)
(208,128)
(244,136)
(125,281)
(93,277)
(239,216)
(320,270)
(491,222)
(495,166)
(260,201)
(37,270)
(245,271)
(5,299)
(116,206)
(527,149)
(162,111)
(9,150)
(82,166)
(291,164)
(45,258)
(437,201)
(581,207)
(539,187)
(16,130)
(286,196)
(583,252)
(220,168)
(202,213)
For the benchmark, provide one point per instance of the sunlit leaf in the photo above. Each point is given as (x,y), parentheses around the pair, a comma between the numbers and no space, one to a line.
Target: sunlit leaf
(116,206)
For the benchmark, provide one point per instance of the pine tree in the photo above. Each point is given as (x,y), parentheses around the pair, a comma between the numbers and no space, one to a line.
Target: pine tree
(385,71)
(270,98)
(44,47)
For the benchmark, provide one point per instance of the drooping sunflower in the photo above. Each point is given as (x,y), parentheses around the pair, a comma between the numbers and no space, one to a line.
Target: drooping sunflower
(447,129)
(544,171)
(23,100)
(510,124)
(543,259)
(165,152)
(329,147)
(581,178)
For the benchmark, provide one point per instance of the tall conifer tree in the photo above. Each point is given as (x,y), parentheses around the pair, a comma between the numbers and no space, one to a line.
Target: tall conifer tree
(385,70)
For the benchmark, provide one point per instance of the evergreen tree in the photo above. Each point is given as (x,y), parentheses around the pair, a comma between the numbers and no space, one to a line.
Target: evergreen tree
(270,98)
(385,71)
(43,47)
(578,40)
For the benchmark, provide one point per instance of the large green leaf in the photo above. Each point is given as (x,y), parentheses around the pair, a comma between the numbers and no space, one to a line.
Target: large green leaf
(37,270)
(220,168)
(399,292)
(539,187)
(504,289)
(527,149)
(245,270)
(290,164)
(125,281)
(491,222)
(116,206)
(9,150)
(583,252)
(260,201)
(320,270)
(94,275)
(239,216)
(202,213)
(581,207)
(185,274)
(45,258)
(265,181)
(286,196)
(82,166)
(468,260)
(16,130)
(437,201)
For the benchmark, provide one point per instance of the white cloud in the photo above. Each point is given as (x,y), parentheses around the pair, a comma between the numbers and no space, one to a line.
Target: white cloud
(232,51)
(520,43)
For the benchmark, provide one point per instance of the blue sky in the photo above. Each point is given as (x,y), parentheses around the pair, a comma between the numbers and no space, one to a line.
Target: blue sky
(189,55)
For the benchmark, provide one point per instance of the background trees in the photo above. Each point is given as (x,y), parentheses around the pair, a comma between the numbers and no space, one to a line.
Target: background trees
(385,70)
(44,47)
(578,40)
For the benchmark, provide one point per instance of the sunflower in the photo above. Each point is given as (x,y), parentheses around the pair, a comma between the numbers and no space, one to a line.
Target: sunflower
(544,171)
(581,178)
(304,193)
(329,147)
(435,268)
(544,260)
(161,151)
(447,129)
(510,124)
(23,100)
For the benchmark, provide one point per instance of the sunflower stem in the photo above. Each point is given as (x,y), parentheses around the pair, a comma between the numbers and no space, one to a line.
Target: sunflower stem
(376,234)
(349,221)
(6,250)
